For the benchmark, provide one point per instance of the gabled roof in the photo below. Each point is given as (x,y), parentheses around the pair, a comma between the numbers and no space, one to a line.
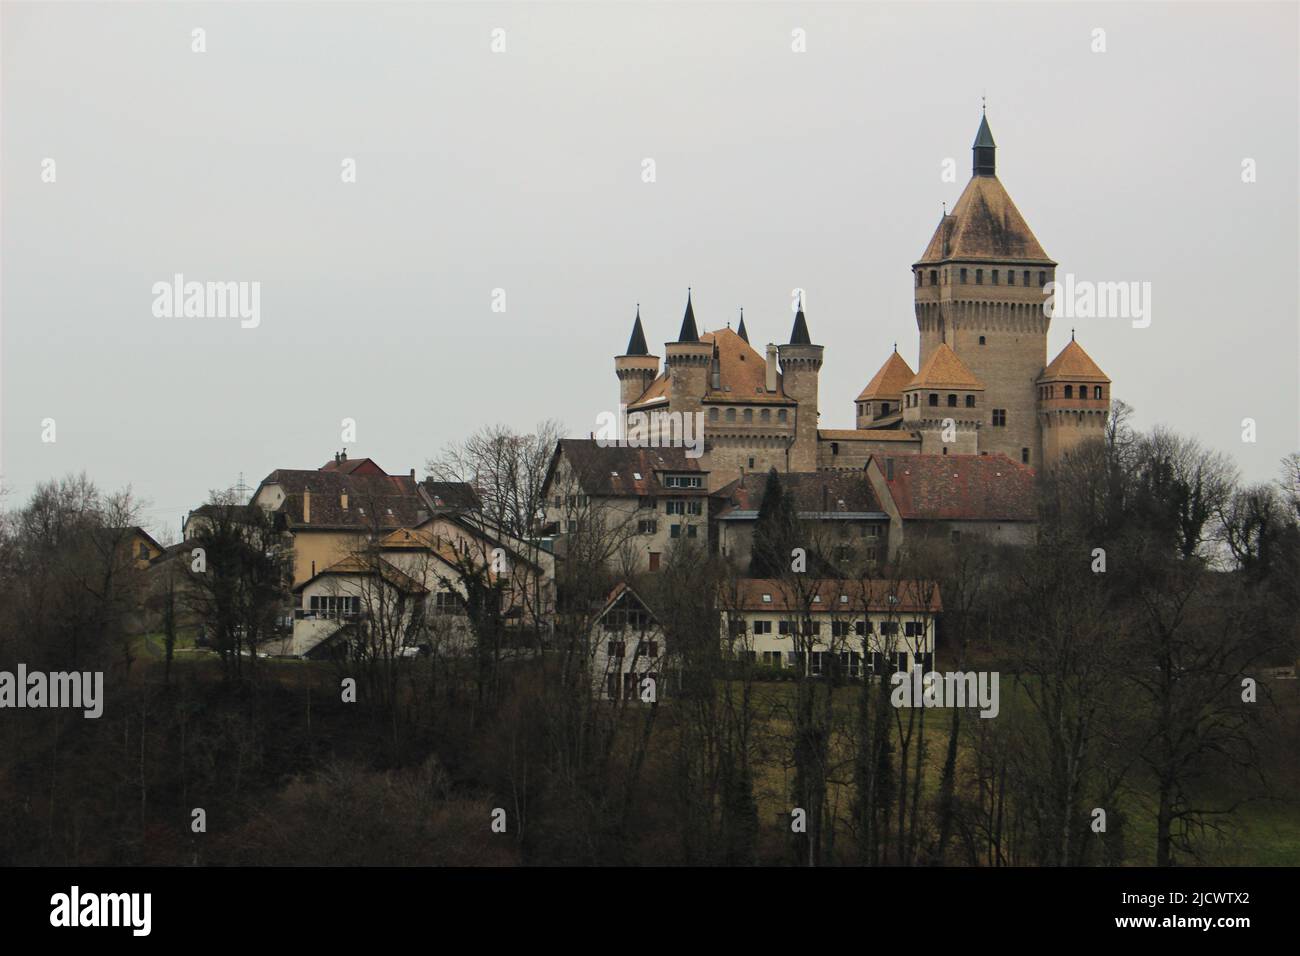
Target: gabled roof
(384,501)
(1075,364)
(353,466)
(961,488)
(910,597)
(450,495)
(820,492)
(943,369)
(612,471)
(366,566)
(890,381)
(985,224)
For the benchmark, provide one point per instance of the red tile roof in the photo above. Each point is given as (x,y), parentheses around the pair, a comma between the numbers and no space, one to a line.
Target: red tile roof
(874,594)
(890,381)
(613,471)
(963,488)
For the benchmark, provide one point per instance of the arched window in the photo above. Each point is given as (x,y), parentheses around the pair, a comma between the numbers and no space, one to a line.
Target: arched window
(766,415)
(731,414)
(934,277)
(1069,391)
(713,414)
(1096,392)
(780,414)
(749,415)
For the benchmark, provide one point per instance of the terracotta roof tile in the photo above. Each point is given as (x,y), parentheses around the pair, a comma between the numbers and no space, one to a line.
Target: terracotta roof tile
(890,381)
(963,487)
(618,472)
(911,596)
(1073,363)
(943,369)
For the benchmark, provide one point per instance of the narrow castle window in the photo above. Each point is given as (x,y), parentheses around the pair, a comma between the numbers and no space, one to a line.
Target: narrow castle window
(979,276)
(1026,278)
(995,276)
(749,415)
(1024,456)
(1000,417)
(884,408)
(1069,391)
(766,415)
(731,414)
(835,448)
(780,415)
(713,414)
(934,398)
(1096,391)
(952,401)
(963,276)
(970,401)
(934,277)
(1042,278)
(983,341)
(1011,277)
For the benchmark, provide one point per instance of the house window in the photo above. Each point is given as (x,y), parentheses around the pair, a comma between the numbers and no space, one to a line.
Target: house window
(884,408)
(446,602)
(914,628)
(751,463)
(573,527)
(889,628)
(762,627)
(900,661)
(647,648)
(963,276)
(983,341)
(1000,417)
(783,627)
(970,401)
(616,648)
(952,401)
(647,527)
(1024,456)
(934,398)
(691,529)
(862,628)
(713,414)
(675,531)
(840,628)
(772,658)
(816,666)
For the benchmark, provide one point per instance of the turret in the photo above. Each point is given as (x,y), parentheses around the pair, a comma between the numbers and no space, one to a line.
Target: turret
(1073,402)
(687,363)
(801,364)
(636,368)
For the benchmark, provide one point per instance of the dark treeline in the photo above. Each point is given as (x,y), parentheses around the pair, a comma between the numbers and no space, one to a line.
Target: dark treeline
(1134,637)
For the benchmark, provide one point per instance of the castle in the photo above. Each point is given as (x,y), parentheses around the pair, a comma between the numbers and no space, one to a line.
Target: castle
(984,385)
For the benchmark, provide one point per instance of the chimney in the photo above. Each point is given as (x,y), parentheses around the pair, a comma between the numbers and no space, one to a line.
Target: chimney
(306,506)
(771,367)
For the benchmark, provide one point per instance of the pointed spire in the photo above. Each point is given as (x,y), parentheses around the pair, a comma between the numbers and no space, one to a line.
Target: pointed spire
(636,344)
(984,149)
(741,330)
(799,334)
(688,332)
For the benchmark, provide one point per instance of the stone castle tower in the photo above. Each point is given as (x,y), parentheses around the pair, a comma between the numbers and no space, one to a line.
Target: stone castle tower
(979,290)
(983,385)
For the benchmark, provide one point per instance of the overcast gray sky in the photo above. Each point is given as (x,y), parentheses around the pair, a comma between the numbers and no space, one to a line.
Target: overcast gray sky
(522,171)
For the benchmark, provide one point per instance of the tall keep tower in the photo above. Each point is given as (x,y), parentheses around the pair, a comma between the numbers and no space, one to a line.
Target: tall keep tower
(979,289)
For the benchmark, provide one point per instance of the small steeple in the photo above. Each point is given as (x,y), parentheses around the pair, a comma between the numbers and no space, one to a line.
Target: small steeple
(741,330)
(636,344)
(984,148)
(799,334)
(688,332)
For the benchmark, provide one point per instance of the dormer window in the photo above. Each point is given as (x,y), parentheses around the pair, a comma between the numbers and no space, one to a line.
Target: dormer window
(767,599)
